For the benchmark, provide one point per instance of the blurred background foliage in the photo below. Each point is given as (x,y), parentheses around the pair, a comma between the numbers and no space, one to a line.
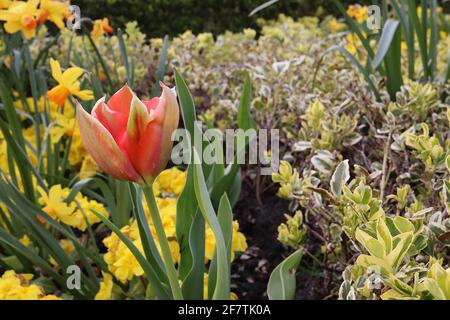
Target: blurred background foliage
(158,17)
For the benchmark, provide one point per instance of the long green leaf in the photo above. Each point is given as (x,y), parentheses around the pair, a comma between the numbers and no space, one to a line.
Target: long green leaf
(355,62)
(421,35)
(161,71)
(222,291)
(384,44)
(282,282)
(244,117)
(225,216)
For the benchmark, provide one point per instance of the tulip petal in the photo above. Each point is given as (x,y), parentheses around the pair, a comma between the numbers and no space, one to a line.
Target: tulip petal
(113,121)
(121,100)
(152,104)
(147,151)
(152,152)
(102,147)
(170,122)
(138,119)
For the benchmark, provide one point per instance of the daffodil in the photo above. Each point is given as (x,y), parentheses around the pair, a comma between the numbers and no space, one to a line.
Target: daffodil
(56,207)
(88,167)
(4,4)
(101,26)
(335,25)
(55,11)
(21,16)
(358,12)
(76,214)
(25,240)
(68,84)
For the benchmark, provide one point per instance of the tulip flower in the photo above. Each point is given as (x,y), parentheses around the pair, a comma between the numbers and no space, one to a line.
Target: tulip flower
(130,139)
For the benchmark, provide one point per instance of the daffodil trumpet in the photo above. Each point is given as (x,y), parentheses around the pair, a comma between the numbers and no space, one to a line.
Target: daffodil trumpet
(131,140)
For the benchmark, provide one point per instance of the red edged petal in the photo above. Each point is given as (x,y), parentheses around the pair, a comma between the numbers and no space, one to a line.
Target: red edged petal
(152,103)
(114,121)
(121,100)
(101,146)
(145,155)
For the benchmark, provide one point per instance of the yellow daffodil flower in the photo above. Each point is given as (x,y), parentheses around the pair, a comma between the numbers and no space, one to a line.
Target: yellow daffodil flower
(68,84)
(73,214)
(335,25)
(55,11)
(357,12)
(101,26)
(21,16)
(4,4)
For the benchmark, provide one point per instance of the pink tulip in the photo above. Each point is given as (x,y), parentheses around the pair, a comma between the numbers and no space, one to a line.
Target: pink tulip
(130,139)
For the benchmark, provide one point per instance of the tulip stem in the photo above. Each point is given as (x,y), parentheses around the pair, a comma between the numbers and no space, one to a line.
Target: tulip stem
(164,244)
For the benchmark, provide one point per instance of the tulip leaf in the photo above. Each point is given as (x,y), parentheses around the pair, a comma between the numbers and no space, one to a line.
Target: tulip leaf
(244,117)
(225,217)
(162,65)
(186,210)
(262,7)
(222,290)
(282,281)
(193,283)
(186,103)
(360,68)
(387,37)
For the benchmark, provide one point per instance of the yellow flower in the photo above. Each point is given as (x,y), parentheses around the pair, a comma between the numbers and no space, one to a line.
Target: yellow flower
(68,84)
(238,243)
(21,16)
(335,26)
(4,4)
(353,43)
(73,214)
(88,167)
(62,127)
(16,287)
(56,207)
(67,246)
(77,151)
(25,240)
(54,11)
(357,12)
(41,106)
(88,207)
(101,26)
(106,286)
(170,181)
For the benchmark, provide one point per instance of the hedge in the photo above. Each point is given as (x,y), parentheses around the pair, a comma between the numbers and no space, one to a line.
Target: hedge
(159,17)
